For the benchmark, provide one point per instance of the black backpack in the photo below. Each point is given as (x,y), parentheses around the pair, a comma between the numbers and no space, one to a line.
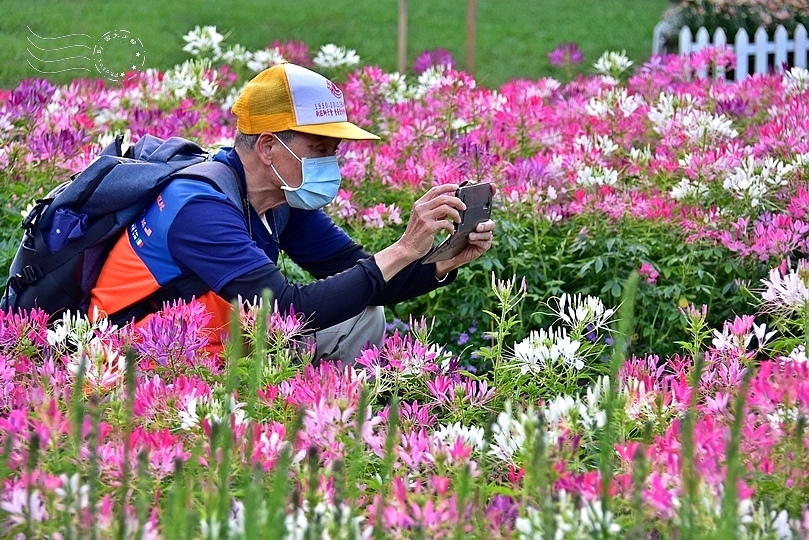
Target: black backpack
(69,233)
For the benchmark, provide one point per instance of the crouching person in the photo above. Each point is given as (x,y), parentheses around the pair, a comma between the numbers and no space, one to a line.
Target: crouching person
(290,122)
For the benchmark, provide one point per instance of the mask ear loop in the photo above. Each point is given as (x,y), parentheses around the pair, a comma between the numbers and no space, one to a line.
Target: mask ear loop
(277,138)
(286,186)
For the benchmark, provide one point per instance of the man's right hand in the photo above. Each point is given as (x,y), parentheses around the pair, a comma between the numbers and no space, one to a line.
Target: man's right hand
(435,211)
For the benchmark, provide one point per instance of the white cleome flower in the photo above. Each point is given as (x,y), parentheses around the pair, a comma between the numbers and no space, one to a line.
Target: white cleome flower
(230,98)
(329,519)
(260,60)
(192,77)
(565,410)
(203,40)
(798,354)
(753,179)
(508,434)
(700,126)
(189,419)
(800,160)
(332,56)
(596,176)
(580,312)
(74,330)
(395,89)
(687,188)
(449,433)
(571,520)
(670,108)
(431,77)
(72,493)
(601,144)
(796,80)
(597,522)
(237,54)
(100,363)
(613,63)
(613,101)
(640,155)
(787,292)
(544,349)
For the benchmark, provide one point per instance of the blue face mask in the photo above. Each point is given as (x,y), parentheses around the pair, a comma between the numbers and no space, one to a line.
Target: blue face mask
(321,181)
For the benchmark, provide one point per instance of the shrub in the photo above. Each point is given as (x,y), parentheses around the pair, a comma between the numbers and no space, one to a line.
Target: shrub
(733,15)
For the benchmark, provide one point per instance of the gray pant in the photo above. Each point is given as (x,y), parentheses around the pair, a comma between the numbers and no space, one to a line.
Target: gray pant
(345,340)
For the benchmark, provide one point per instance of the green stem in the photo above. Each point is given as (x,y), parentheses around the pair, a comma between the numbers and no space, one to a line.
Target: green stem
(689,476)
(607,436)
(730,501)
(129,385)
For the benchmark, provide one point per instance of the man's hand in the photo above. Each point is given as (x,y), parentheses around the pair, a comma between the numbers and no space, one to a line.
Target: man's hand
(435,211)
(480,241)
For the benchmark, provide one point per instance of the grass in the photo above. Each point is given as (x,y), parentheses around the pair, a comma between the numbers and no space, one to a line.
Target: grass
(513,36)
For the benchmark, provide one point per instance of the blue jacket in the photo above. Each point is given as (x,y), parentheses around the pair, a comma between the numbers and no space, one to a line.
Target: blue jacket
(192,229)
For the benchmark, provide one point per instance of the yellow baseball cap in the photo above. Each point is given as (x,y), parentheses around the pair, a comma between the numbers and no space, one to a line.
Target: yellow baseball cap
(288,96)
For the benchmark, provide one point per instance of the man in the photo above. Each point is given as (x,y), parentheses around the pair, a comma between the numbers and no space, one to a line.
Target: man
(290,122)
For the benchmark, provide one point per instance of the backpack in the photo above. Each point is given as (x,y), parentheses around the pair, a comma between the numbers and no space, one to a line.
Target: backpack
(69,233)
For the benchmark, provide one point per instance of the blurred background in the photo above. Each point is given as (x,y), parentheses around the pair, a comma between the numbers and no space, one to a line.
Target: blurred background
(512,38)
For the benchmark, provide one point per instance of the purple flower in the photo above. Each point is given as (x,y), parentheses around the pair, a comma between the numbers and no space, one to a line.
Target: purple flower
(29,98)
(531,170)
(397,324)
(172,336)
(732,107)
(591,333)
(60,144)
(435,57)
(566,54)
(463,338)
(501,511)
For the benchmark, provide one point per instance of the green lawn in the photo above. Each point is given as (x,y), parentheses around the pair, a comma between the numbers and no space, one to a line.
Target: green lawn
(513,36)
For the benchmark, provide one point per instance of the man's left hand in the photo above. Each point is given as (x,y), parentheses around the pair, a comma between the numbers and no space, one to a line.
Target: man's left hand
(480,241)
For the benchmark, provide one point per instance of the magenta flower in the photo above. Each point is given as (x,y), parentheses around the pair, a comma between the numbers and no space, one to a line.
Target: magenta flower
(296,52)
(648,271)
(412,415)
(20,328)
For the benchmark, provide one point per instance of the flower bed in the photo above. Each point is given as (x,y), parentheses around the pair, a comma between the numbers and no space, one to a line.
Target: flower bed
(679,412)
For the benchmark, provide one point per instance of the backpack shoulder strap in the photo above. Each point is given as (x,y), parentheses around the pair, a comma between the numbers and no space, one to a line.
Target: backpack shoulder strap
(222,177)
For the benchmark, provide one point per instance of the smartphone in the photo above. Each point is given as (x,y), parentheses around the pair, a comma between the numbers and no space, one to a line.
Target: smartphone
(478,201)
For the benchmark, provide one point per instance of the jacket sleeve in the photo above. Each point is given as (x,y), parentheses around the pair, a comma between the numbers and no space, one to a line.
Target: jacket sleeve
(219,250)
(332,300)
(324,303)
(414,280)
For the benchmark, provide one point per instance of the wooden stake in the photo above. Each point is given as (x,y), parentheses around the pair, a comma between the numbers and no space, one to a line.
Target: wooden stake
(470,37)
(402,36)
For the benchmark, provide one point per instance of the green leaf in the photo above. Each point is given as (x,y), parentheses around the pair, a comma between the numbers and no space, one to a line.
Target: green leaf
(585,267)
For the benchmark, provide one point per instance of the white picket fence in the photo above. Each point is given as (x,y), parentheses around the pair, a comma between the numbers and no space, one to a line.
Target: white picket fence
(766,55)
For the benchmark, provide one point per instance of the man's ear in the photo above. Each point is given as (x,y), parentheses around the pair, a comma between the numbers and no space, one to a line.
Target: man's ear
(264,145)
